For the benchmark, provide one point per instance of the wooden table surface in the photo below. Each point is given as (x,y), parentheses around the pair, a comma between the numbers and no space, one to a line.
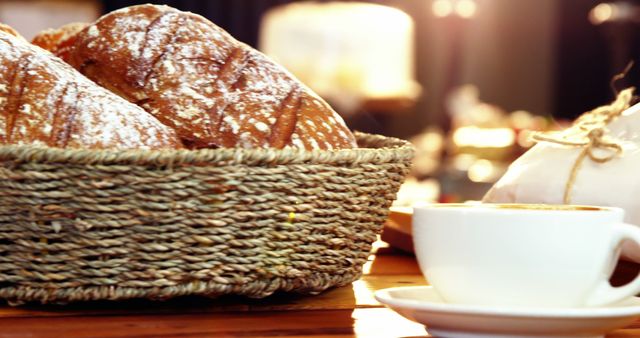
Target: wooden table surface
(350,311)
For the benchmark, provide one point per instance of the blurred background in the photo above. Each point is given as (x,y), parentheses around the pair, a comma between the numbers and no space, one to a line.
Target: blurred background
(464,80)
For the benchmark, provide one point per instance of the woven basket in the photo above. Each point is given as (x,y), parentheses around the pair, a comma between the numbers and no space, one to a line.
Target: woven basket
(88,225)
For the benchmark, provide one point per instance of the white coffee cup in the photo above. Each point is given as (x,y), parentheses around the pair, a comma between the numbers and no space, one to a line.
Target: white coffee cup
(522,255)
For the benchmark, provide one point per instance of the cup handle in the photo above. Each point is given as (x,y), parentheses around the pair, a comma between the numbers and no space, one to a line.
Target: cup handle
(604,293)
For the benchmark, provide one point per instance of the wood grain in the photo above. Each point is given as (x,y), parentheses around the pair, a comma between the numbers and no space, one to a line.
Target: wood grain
(350,311)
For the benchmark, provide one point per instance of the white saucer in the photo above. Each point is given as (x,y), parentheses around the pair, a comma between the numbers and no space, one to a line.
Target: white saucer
(423,305)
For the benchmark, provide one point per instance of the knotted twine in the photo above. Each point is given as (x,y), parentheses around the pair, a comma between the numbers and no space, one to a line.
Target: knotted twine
(589,131)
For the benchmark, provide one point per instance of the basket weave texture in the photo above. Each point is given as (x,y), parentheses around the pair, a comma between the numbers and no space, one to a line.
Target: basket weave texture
(88,225)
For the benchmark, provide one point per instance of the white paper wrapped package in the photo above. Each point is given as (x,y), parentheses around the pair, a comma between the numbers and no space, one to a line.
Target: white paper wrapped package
(542,174)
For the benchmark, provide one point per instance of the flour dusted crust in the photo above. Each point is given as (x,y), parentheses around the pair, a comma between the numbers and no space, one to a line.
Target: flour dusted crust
(59,41)
(10,30)
(196,78)
(44,101)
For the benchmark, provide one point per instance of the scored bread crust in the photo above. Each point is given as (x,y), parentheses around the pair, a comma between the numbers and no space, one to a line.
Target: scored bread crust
(59,41)
(44,101)
(194,77)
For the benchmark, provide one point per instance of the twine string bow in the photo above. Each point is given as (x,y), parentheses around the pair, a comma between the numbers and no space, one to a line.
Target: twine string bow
(590,132)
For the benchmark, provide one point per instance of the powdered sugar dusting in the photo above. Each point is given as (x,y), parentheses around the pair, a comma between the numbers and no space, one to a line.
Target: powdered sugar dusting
(329,130)
(296,141)
(214,90)
(63,108)
(314,143)
(59,40)
(168,66)
(261,126)
(230,121)
(93,31)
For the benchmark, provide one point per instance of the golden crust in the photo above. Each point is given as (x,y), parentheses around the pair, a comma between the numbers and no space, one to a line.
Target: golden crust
(194,77)
(44,101)
(10,30)
(59,40)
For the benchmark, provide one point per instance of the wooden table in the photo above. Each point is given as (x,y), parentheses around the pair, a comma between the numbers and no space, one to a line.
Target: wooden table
(350,311)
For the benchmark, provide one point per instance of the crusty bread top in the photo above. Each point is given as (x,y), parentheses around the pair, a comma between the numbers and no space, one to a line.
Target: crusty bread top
(45,101)
(194,77)
(60,40)
(10,30)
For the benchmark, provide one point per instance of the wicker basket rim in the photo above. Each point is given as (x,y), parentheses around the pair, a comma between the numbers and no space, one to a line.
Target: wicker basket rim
(373,149)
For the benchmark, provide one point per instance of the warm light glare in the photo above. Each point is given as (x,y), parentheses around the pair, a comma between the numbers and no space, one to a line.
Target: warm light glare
(463,162)
(524,139)
(414,192)
(601,13)
(442,8)
(378,321)
(347,52)
(466,8)
(521,119)
(473,136)
(481,171)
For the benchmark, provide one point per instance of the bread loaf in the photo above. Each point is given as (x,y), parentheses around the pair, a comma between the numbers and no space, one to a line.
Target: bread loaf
(59,41)
(10,30)
(44,101)
(196,78)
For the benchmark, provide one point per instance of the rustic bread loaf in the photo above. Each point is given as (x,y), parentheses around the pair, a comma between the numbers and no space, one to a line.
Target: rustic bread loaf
(10,30)
(196,78)
(46,102)
(60,40)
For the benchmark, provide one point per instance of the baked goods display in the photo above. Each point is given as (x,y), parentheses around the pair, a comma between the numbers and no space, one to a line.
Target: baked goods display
(80,225)
(44,101)
(194,77)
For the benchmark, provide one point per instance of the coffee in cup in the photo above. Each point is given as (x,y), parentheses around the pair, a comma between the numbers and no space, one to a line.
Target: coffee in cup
(522,255)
